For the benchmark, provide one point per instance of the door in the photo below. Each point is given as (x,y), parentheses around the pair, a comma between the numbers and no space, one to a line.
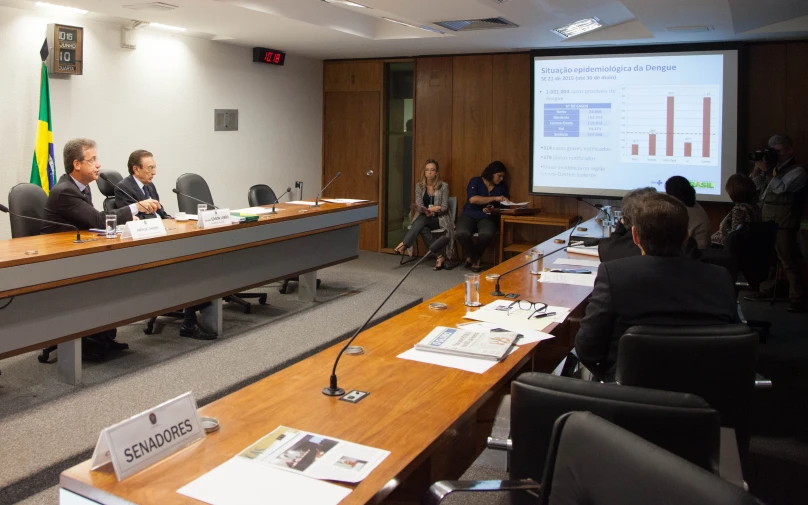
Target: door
(351,143)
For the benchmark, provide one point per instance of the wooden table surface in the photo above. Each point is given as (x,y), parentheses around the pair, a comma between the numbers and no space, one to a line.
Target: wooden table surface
(411,409)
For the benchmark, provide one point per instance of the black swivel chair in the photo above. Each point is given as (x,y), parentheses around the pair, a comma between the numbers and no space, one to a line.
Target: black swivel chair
(195,185)
(594,462)
(27,200)
(716,363)
(108,189)
(259,195)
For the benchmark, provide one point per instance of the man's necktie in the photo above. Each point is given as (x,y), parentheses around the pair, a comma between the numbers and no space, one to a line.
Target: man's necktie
(146,192)
(88,196)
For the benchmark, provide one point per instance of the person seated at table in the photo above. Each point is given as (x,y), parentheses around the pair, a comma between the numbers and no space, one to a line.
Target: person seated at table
(430,212)
(484,193)
(659,287)
(743,192)
(621,244)
(142,170)
(138,184)
(70,201)
(698,221)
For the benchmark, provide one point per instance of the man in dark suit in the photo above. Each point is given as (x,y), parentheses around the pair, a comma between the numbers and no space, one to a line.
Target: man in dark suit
(70,201)
(660,287)
(142,169)
(139,185)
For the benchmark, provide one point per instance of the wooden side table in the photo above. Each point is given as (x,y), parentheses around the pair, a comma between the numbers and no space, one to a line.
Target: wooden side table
(506,243)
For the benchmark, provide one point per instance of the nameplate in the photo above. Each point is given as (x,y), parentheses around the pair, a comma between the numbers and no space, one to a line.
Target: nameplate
(148,437)
(144,228)
(214,218)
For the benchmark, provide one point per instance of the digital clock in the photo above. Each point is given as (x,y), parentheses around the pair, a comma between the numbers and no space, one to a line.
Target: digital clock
(271,56)
(67,49)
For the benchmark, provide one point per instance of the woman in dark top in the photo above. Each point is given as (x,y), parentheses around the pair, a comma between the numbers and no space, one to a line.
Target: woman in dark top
(483,193)
(744,194)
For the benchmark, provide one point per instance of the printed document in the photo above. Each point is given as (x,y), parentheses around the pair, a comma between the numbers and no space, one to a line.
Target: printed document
(577,262)
(507,315)
(567,278)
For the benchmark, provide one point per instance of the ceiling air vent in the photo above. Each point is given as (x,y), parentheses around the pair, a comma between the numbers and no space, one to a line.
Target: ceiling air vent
(476,24)
(151,6)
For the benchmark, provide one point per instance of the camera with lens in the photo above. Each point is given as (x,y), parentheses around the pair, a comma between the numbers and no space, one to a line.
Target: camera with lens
(769,155)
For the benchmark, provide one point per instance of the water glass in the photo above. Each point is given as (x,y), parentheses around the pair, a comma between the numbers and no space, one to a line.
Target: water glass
(535,254)
(111,225)
(202,207)
(472,290)
(607,228)
(617,215)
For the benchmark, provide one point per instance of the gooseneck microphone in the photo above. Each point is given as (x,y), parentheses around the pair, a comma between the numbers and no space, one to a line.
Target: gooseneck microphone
(595,206)
(104,176)
(78,240)
(273,211)
(333,389)
(317,198)
(497,292)
(193,198)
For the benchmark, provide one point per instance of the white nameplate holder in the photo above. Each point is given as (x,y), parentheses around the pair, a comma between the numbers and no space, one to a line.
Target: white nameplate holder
(149,437)
(144,228)
(213,218)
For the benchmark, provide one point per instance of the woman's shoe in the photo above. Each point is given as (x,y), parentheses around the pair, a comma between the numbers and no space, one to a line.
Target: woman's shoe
(438,264)
(400,249)
(477,269)
(467,264)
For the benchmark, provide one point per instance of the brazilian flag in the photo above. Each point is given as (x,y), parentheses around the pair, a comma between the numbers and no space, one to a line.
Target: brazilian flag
(43,168)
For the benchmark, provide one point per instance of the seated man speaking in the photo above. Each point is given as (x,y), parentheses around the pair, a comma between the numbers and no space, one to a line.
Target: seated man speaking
(142,169)
(660,287)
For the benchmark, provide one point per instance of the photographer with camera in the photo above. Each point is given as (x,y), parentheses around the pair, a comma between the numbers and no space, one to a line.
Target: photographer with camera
(782,184)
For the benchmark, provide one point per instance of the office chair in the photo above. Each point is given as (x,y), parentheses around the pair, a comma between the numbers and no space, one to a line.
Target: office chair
(108,189)
(261,194)
(715,362)
(27,200)
(194,185)
(591,461)
(450,249)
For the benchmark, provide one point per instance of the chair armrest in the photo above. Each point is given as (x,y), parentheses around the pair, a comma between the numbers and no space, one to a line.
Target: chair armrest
(441,489)
(501,431)
(729,463)
(762,382)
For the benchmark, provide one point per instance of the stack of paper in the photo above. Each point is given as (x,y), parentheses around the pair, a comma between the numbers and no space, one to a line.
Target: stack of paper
(567,278)
(588,251)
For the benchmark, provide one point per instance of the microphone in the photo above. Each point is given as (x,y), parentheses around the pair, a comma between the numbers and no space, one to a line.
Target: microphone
(104,176)
(78,240)
(317,198)
(497,291)
(333,390)
(194,198)
(273,211)
(596,206)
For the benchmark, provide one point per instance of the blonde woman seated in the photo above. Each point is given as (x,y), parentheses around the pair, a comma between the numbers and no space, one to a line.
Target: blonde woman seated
(430,212)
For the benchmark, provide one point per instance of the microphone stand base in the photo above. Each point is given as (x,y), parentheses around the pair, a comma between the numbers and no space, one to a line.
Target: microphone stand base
(497,293)
(273,211)
(333,391)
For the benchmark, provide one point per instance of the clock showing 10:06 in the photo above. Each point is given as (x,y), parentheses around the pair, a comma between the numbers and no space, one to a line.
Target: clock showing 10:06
(67,49)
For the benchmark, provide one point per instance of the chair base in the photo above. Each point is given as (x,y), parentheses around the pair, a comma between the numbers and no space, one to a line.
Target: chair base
(284,290)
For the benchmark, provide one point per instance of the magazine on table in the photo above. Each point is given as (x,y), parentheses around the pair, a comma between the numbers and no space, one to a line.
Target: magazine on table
(485,345)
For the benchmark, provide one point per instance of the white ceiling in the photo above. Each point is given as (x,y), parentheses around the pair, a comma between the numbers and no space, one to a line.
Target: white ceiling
(321,30)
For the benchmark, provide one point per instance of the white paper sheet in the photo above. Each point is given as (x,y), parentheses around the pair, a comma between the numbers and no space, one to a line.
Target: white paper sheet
(513,204)
(566,278)
(343,200)
(474,365)
(588,251)
(241,482)
(301,202)
(528,337)
(518,319)
(577,262)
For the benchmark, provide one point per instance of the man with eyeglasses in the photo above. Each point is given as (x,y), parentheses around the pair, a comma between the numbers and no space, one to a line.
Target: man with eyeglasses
(71,202)
(142,169)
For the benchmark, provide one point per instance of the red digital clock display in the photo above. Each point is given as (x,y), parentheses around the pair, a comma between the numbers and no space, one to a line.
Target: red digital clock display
(271,56)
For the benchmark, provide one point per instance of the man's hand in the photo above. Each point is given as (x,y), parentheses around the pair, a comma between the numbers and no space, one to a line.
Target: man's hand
(149,205)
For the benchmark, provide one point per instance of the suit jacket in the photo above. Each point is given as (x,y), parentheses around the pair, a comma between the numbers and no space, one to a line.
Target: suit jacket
(668,291)
(619,245)
(129,185)
(66,204)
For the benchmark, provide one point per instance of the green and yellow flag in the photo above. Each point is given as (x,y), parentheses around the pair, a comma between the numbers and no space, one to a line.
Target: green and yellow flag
(43,169)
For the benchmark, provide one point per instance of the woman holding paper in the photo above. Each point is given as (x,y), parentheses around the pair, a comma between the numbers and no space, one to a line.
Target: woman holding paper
(430,211)
(484,193)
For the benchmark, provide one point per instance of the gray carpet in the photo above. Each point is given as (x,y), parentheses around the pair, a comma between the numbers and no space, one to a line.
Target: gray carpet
(38,411)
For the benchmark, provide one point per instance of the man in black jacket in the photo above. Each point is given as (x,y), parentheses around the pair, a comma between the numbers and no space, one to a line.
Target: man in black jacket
(660,287)
(139,185)
(70,201)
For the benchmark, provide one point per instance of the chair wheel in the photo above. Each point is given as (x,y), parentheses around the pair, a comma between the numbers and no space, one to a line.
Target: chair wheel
(42,358)
(148,331)
(262,299)
(247,309)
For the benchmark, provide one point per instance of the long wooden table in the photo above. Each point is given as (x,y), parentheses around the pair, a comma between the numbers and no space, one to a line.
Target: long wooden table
(432,419)
(66,291)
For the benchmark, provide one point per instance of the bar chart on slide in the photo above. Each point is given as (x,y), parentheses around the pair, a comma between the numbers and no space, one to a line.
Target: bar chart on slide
(671,125)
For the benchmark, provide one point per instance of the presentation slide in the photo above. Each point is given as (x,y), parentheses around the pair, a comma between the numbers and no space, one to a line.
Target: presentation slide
(603,125)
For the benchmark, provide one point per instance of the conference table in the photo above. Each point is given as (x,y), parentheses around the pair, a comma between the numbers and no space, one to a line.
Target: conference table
(432,419)
(55,291)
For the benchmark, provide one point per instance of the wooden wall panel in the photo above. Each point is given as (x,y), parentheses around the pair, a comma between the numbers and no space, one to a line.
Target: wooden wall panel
(796,97)
(510,140)
(765,82)
(433,116)
(352,76)
(472,122)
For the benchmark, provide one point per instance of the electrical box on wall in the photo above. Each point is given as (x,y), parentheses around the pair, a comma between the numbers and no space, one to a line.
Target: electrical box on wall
(66,44)
(225,120)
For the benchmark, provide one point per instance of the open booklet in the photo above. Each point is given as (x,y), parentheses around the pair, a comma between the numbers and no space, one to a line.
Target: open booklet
(514,205)
(485,345)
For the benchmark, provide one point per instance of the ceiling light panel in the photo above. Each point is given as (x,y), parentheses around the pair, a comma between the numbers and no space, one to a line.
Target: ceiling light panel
(578,27)
(64,8)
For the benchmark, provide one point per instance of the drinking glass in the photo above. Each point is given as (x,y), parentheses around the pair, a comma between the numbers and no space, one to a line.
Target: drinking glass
(535,254)
(111,225)
(472,290)
(202,207)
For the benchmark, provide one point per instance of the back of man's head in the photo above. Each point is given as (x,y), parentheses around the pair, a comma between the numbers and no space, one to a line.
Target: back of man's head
(630,203)
(660,223)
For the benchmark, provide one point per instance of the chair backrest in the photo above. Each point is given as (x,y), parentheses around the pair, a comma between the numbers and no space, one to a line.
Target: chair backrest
(716,363)
(261,194)
(453,208)
(681,423)
(753,247)
(193,185)
(27,200)
(108,189)
(595,462)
